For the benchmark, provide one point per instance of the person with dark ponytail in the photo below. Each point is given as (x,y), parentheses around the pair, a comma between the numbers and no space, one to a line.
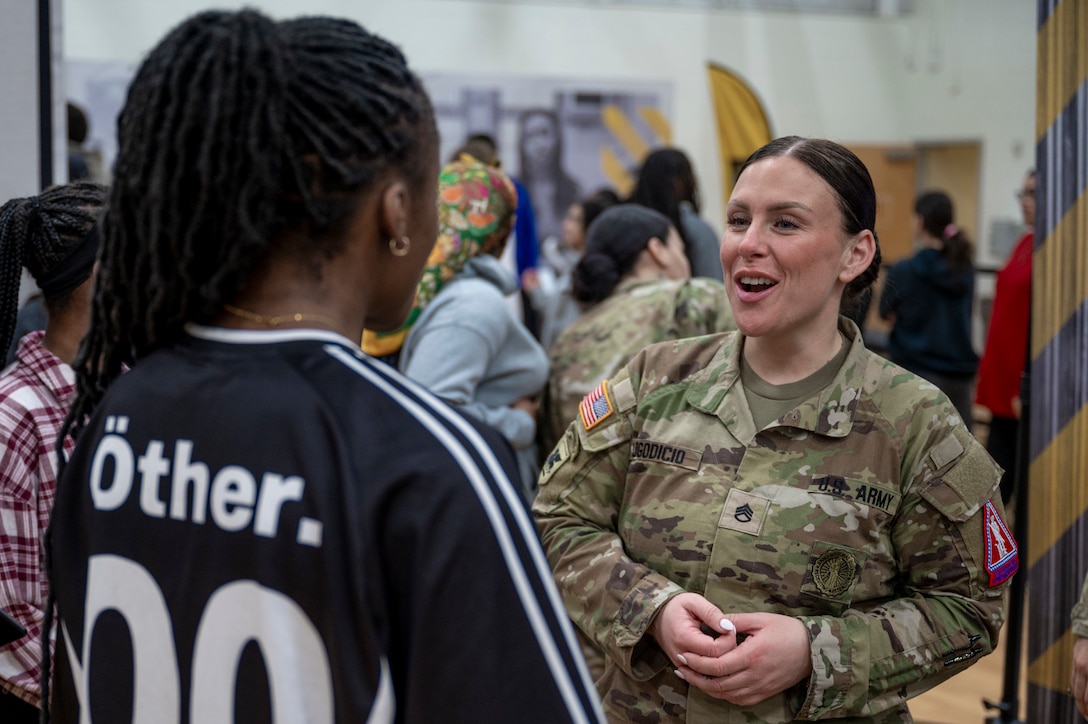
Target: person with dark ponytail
(928,298)
(55,237)
(777,524)
(259,522)
(636,287)
(666,183)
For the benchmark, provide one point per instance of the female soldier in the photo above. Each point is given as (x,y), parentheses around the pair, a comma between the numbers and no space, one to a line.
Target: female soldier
(636,285)
(280,528)
(778,524)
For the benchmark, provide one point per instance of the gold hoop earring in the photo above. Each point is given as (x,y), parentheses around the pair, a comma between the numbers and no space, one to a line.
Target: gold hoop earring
(400,247)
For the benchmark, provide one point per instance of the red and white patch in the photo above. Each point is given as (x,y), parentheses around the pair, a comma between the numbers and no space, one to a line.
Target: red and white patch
(1002,554)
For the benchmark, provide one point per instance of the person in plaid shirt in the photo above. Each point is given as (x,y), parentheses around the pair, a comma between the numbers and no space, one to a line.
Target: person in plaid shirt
(55,237)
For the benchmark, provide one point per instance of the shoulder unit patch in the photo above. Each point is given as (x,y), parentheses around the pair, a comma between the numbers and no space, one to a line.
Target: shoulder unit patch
(1002,555)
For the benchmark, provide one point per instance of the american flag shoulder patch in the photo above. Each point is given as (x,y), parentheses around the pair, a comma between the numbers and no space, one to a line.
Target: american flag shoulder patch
(596,406)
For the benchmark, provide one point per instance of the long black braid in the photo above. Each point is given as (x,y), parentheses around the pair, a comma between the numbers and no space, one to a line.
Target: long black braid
(39,232)
(240,137)
(239,134)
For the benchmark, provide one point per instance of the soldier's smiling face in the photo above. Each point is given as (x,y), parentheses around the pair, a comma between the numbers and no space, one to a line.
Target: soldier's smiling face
(785,254)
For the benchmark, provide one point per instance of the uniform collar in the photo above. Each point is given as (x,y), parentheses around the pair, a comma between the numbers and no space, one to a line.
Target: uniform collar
(634,282)
(830,413)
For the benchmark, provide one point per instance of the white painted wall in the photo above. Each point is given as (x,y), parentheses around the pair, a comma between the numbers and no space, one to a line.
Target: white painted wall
(954,70)
(20,159)
(19,112)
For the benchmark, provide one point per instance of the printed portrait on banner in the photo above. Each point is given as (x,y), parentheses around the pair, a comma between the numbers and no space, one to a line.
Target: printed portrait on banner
(563,139)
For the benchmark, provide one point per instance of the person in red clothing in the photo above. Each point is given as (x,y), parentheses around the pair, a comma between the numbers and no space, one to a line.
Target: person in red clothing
(1006,344)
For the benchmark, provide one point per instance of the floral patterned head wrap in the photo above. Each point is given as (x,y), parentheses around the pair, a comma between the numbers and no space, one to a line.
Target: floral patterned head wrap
(476,205)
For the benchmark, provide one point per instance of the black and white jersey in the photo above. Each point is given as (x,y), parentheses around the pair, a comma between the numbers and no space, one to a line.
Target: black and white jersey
(273,527)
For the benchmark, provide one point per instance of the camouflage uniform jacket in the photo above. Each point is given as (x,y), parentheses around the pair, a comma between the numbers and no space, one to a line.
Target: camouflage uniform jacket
(601,341)
(868,512)
(1080,612)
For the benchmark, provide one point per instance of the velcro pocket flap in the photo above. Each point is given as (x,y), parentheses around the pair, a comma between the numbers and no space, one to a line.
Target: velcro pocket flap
(963,483)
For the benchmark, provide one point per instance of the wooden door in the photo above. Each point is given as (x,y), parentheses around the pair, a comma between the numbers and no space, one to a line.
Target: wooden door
(954,169)
(894,172)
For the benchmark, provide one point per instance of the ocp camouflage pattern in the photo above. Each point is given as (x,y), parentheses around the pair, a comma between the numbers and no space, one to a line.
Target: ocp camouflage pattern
(596,345)
(1080,612)
(859,512)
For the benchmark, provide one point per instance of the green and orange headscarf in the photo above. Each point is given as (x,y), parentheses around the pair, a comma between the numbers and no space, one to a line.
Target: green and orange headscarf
(476,205)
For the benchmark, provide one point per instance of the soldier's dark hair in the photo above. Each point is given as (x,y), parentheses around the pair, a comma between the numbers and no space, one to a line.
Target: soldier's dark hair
(241,138)
(853,186)
(614,242)
(42,233)
(937,212)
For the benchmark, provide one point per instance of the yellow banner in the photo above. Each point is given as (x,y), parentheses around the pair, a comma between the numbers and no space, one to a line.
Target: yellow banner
(742,124)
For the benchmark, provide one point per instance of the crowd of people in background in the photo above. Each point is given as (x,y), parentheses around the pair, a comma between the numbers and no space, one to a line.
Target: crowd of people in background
(349,448)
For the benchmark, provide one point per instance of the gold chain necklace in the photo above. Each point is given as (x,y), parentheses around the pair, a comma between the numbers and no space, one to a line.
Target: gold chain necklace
(279,319)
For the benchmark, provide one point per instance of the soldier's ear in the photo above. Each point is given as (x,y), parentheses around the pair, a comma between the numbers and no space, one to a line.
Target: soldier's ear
(857,256)
(658,251)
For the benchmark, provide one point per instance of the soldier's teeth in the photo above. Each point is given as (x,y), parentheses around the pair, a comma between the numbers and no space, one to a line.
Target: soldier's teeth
(756,281)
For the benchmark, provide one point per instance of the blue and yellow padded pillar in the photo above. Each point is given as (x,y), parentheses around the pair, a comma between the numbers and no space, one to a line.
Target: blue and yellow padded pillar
(1057,541)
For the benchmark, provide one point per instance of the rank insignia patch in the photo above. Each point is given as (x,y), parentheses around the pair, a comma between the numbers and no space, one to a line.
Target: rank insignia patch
(596,406)
(744,512)
(1002,555)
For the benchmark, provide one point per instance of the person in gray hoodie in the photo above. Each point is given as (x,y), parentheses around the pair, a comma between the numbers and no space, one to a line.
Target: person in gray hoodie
(461,341)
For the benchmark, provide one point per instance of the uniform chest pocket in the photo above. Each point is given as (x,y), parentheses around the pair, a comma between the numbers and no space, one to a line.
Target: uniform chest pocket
(832,545)
(833,573)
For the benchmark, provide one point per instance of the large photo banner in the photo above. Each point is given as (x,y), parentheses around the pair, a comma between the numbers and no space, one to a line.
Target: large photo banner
(563,139)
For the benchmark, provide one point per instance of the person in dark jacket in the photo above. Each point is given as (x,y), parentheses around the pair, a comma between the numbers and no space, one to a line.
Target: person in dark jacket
(928,298)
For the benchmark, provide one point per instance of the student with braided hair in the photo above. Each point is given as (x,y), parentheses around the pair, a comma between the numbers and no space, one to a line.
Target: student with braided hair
(54,236)
(259,522)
